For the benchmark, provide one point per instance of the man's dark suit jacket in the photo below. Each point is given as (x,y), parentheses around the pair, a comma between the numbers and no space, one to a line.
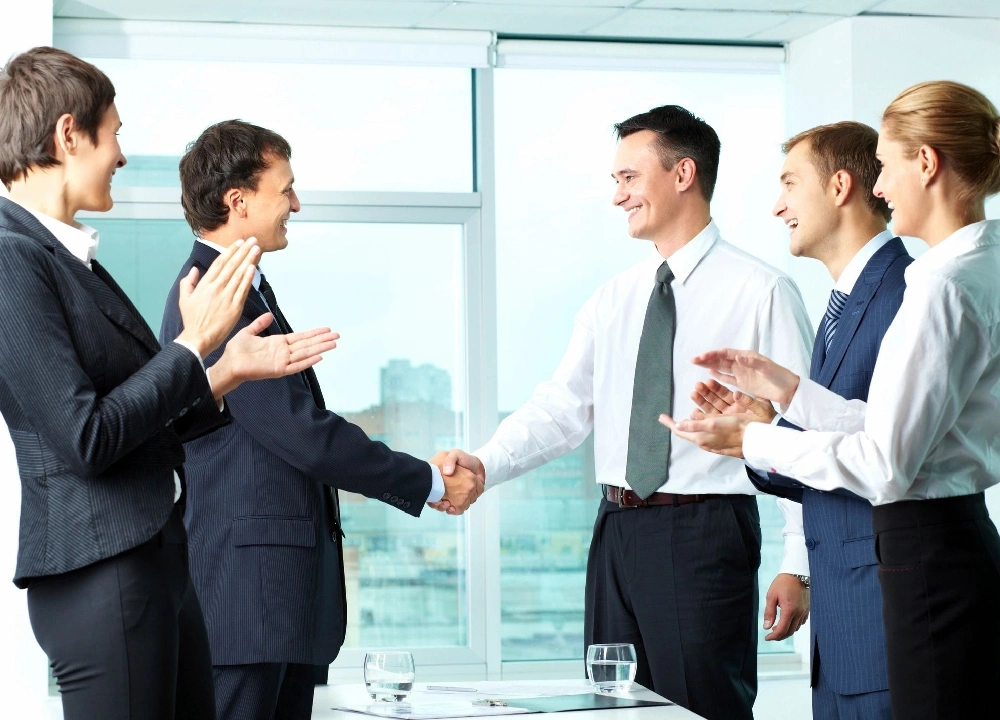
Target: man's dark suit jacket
(846,598)
(262,518)
(96,409)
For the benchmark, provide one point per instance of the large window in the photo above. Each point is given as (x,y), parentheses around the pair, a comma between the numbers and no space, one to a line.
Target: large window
(453,222)
(558,238)
(395,294)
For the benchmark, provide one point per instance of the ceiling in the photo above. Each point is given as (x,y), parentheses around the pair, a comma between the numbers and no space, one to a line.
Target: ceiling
(764,21)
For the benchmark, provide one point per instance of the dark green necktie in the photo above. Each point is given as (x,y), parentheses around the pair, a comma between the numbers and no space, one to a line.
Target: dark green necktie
(648,461)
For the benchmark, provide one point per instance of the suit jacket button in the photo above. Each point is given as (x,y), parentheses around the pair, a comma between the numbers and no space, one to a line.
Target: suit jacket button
(810,543)
(333,536)
(385,496)
(406,505)
(393,499)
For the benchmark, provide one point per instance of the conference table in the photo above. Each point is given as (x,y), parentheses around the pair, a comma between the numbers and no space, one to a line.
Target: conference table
(330,696)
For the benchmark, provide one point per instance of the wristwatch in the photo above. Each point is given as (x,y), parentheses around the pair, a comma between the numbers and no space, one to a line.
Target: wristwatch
(804,579)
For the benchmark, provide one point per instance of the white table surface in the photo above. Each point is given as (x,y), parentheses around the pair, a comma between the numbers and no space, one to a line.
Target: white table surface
(330,695)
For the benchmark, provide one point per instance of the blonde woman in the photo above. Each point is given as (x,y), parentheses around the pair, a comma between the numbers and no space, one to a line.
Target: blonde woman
(927,443)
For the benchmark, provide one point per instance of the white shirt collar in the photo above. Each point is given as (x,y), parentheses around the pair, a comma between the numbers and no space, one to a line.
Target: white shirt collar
(81,240)
(685,260)
(985,232)
(849,277)
(219,249)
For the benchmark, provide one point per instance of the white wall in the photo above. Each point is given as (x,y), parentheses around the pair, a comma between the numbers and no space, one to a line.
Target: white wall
(23,679)
(852,70)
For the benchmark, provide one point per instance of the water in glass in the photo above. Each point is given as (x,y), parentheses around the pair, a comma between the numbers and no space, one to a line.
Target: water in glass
(389,675)
(611,667)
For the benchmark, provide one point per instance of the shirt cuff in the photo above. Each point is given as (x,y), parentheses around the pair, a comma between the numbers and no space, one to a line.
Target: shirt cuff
(437,484)
(763,445)
(796,557)
(495,462)
(813,408)
(220,403)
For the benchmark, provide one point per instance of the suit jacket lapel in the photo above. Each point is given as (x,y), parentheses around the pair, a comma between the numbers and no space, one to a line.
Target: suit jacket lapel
(856,305)
(108,296)
(254,307)
(123,312)
(819,351)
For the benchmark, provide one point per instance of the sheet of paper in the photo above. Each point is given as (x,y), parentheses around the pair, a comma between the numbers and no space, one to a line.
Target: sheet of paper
(422,708)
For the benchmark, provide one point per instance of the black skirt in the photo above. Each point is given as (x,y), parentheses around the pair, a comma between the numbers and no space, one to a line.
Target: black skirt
(939,566)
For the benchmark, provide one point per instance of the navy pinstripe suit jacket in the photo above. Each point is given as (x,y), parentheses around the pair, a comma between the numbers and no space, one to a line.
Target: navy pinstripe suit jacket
(263,526)
(95,407)
(846,598)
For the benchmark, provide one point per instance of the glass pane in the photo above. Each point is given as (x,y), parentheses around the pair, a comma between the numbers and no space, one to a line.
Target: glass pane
(396,295)
(350,127)
(558,238)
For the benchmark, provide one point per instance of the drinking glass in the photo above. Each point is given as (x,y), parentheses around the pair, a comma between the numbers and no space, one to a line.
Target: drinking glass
(611,668)
(389,675)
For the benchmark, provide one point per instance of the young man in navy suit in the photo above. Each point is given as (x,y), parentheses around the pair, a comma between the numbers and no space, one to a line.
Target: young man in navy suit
(262,515)
(827,203)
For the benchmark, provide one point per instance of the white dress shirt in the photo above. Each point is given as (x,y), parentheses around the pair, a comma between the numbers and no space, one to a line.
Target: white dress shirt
(930,427)
(437,482)
(82,241)
(724,298)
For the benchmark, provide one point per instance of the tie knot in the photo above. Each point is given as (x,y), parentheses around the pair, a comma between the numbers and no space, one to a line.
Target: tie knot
(664,274)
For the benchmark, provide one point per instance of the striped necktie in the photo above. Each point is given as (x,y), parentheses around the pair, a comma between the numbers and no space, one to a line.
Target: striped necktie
(834,309)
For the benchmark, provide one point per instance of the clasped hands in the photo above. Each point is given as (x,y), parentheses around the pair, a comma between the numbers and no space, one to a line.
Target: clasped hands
(721,417)
(464,481)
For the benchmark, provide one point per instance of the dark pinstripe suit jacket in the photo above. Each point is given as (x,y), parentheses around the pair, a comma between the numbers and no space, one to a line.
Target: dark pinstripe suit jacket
(846,597)
(95,408)
(264,536)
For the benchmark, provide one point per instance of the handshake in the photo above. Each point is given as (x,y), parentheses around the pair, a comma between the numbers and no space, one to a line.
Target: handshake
(464,481)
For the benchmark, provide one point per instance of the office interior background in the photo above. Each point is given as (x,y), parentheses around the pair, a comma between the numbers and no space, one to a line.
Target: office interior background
(453,162)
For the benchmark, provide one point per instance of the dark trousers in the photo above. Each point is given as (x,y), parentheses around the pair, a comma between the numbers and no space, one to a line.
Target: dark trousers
(940,574)
(265,691)
(125,635)
(680,584)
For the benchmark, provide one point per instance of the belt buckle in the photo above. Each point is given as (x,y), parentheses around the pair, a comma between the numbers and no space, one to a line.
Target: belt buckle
(638,503)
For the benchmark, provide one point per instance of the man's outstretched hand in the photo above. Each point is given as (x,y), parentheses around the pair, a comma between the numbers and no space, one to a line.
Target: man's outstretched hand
(714,398)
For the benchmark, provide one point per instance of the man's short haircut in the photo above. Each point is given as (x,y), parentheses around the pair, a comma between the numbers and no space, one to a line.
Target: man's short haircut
(680,134)
(230,154)
(846,146)
(38,87)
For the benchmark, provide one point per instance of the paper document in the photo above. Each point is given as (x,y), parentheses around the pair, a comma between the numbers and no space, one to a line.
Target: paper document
(421,708)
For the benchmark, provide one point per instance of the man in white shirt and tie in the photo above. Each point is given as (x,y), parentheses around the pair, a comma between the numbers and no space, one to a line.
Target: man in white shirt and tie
(676,548)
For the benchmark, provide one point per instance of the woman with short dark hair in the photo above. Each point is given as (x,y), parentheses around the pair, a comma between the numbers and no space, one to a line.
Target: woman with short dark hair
(97,409)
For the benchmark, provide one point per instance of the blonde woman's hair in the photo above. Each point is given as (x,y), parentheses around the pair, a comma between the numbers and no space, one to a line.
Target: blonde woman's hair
(960,123)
